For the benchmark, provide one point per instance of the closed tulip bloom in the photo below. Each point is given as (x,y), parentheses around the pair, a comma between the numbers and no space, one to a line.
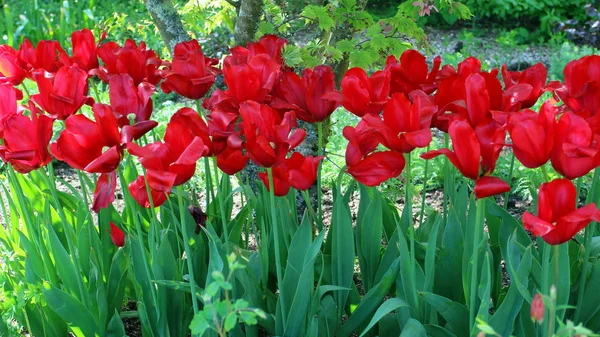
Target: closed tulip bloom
(11,67)
(127,98)
(362,94)
(26,141)
(269,137)
(405,124)
(117,236)
(537,310)
(576,148)
(189,75)
(138,191)
(377,167)
(532,135)
(84,49)
(558,218)
(253,80)
(412,73)
(581,90)
(297,171)
(362,140)
(63,96)
(47,55)
(306,95)
(269,44)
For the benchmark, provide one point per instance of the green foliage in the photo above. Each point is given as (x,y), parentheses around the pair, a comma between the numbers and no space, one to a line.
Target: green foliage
(565,54)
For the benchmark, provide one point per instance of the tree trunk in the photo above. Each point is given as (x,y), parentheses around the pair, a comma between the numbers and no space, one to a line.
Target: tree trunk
(247,20)
(168,22)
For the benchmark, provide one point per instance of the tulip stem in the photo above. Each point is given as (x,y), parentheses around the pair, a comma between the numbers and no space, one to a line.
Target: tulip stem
(411,228)
(510,176)
(25,89)
(276,240)
(478,233)
(589,234)
(95,90)
(186,247)
(222,209)
(552,314)
(545,271)
(545,173)
(578,189)
(446,179)
(319,192)
(423,192)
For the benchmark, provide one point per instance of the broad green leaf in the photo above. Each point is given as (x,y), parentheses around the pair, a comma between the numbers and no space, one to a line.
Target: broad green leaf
(77,316)
(455,314)
(115,327)
(413,329)
(369,230)
(387,307)
(591,296)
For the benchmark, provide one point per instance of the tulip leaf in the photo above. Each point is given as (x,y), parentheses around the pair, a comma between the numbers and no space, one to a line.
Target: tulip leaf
(449,262)
(413,329)
(78,317)
(455,314)
(115,327)
(368,237)
(387,307)
(370,302)
(63,263)
(437,331)
(591,296)
(563,284)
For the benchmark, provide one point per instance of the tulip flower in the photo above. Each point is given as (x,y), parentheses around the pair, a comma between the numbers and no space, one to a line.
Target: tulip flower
(532,134)
(269,44)
(84,49)
(127,98)
(268,136)
(64,96)
(97,147)
(137,61)
(253,80)
(558,218)
(475,151)
(535,76)
(8,103)
(405,124)
(138,191)
(305,95)
(581,90)
(117,236)
(576,148)
(189,75)
(11,67)
(296,171)
(537,310)
(199,217)
(26,140)
(362,94)
(412,73)
(47,55)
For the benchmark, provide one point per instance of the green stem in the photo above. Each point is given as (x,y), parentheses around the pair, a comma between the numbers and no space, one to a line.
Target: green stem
(411,228)
(446,176)
(423,192)
(222,210)
(276,239)
(186,247)
(510,176)
(578,189)
(552,314)
(319,193)
(209,189)
(545,173)
(95,90)
(25,89)
(477,235)
(589,234)
(311,211)
(545,276)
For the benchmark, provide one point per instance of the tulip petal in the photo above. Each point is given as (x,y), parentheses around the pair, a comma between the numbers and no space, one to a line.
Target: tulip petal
(535,225)
(104,193)
(488,186)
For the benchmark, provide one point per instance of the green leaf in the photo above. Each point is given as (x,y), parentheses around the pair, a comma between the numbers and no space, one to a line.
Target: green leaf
(413,329)
(361,59)
(591,296)
(378,42)
(346,45)
(264,28)
(77,316)
(387,307)
(455,314)
(369,229)
(115,327)
(230,321)
(199,324)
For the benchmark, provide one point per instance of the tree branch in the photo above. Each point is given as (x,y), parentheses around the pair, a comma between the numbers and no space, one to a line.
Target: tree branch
(246,23)
(167,21)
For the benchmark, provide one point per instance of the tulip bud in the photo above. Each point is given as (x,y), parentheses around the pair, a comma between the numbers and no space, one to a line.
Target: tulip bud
(117,235)
(537,309)
(199,216)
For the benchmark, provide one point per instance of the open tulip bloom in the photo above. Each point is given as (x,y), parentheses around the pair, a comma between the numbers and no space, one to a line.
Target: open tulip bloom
(429,263)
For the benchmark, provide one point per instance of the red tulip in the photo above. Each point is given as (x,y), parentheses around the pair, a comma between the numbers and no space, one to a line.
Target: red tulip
(253,80)
(11,67)
(581,90)
(405,124)
(362,94)
(296,171)
(576,147)
(231,161)
(26,140)
(305,95)
(84,49)
(117,235)
(8,103)
(47,55)
(537,310)
(138,191)
(558,218)
(412,73)
(221,125)
(64,96)
(268,44)
(535,76)
(126,98)
(377,167)
(475,150)
(532,134)
(268,136)
(137,61)
(189,75)
(362,140)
